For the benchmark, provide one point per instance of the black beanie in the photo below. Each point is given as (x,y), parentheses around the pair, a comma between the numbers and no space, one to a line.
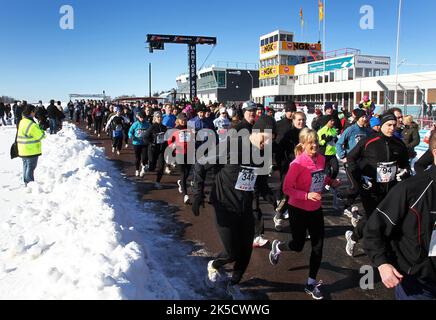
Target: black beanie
(265,123)
(358,113)
(387,117)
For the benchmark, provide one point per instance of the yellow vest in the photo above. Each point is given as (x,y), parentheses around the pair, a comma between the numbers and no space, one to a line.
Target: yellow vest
(367,105)
(29,138)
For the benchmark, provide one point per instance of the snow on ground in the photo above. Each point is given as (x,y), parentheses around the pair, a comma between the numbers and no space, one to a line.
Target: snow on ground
(79,231)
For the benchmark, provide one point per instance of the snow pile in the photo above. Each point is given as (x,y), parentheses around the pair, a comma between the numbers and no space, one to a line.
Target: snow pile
(72,234)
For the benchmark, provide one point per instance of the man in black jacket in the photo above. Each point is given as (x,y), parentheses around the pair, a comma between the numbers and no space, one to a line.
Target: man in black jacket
(18,108)
(400,236)
(41,116)
(376,164)
(53,114)
(232,197)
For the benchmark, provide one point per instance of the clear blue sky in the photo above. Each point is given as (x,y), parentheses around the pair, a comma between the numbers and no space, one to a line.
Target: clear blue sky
(106,50)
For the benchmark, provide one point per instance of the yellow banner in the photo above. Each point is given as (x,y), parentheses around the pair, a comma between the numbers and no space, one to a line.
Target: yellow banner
(300,46)
(269,72)
(269,48)
(274,71)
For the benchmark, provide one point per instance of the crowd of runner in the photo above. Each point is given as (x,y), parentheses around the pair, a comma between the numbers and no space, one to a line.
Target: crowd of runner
(375,151)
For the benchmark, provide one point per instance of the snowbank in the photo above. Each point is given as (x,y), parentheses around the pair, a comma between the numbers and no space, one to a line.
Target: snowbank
(73,234)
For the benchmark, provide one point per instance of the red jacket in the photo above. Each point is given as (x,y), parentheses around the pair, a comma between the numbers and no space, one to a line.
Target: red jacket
(180,139)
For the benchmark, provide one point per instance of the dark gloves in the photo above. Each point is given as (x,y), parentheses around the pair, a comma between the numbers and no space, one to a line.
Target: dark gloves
(327,138)
(198,201)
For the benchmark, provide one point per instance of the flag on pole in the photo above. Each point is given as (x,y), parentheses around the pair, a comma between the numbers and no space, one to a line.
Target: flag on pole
(301,18)
(321,10)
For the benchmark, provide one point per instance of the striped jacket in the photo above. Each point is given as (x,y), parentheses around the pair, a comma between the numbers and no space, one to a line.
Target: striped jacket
(404,223)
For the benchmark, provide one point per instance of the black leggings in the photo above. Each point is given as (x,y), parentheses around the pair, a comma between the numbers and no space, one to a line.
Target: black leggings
(184,174)
(331,166)
(351,192)
(117,143)
(302,221)
(156,161)
(97,124)
(236,232)
(370,201)
(89,118)
(141,155)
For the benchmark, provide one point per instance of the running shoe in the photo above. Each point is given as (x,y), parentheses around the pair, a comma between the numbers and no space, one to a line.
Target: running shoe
(167,171)
(314,290)
(274,253)
(179,183)
(213,275)
(349,248)
(186,199)
(348,213)
(356,217)
(259,241)
(278,223)
(143,170)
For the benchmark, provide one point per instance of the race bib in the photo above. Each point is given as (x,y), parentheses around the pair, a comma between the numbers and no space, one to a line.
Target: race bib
(140,133)
(386,171)
(98,114)
(246,179)
(184,136)
(359,137)
(432,250)
(318,179)
(160,138)
(119,127)
(202,135)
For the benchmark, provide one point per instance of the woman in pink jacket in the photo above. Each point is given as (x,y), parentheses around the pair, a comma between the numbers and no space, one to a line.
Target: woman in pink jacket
(304,184)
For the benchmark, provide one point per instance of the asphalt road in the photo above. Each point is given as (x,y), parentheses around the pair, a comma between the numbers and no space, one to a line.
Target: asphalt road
(340,273)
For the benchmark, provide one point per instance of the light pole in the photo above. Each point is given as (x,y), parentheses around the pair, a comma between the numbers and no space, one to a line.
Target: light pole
(252,84)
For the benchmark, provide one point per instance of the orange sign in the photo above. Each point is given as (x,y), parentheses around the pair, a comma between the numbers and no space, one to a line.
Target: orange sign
(287,70)
(269,48)
(301,46)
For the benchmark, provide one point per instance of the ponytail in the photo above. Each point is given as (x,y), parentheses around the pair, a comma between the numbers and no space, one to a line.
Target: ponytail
(299,149)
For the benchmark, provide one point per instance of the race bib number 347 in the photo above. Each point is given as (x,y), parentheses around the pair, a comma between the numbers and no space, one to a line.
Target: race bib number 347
(246,179)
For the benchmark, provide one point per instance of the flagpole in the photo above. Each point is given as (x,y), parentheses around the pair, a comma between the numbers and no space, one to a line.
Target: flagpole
(319,25)
(325,49)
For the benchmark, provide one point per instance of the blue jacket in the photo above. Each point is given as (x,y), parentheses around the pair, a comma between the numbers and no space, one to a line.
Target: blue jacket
(199,124)
(349,139)
(137,131)
(169,121)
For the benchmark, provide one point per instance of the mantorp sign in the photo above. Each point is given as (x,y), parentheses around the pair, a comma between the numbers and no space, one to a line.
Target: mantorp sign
(372,62)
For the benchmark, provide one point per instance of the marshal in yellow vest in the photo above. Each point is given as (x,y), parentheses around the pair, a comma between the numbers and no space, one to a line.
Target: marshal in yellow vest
(29,138)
